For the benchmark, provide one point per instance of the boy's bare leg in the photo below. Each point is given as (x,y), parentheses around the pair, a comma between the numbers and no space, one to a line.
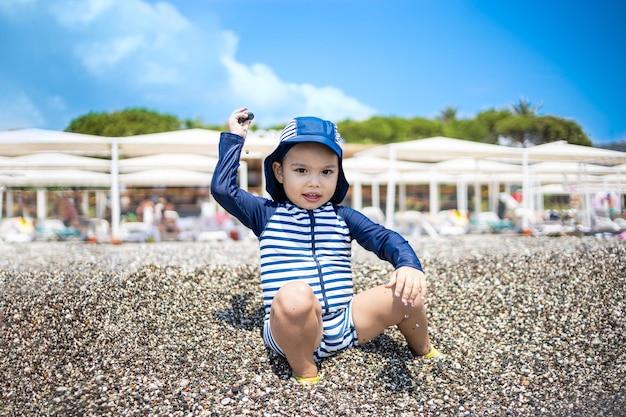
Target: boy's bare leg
(296,323)
(377,308)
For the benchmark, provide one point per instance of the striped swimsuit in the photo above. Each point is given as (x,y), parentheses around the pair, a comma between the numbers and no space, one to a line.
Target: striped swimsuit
(313,246)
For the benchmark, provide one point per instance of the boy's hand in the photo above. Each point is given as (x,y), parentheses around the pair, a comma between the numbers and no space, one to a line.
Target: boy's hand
(410,283)
(233,122)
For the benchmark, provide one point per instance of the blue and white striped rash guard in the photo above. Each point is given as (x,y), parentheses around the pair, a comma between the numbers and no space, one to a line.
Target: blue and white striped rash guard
(313,246)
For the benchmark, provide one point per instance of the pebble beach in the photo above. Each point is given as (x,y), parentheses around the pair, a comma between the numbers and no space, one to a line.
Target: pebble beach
(530,326)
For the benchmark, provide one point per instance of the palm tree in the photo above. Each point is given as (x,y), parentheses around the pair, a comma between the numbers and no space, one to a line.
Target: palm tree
(448,114)
(523,108)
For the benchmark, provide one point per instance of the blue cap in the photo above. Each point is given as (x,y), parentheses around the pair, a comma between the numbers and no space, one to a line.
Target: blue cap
(299,130)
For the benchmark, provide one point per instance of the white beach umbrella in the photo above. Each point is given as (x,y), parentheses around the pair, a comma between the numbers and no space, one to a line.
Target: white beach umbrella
(194,141)
(53,178)
(440,149)
(563,151)
(57,160)
(28,141)
(193,162)
(166,177)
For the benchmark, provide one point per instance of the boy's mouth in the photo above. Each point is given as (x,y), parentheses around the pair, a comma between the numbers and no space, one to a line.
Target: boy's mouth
(312,196)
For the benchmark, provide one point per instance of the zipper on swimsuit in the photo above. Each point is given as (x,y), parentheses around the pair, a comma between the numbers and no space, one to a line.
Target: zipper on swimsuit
(319,267)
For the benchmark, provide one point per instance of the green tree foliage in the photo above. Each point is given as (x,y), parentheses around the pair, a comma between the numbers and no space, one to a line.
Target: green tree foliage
(489,119)
(133,121)
(374,130)
(531,130)
(552,128)
(469,129)
(520,130)
(197,123)
(525,127)
(520,126)
(388,129)
(420,128)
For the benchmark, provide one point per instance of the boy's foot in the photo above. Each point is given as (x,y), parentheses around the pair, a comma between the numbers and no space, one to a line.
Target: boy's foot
(434,353)
(306,381)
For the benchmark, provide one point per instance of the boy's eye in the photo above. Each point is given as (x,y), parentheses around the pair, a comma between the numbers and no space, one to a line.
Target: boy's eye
(327,172)
(300,170)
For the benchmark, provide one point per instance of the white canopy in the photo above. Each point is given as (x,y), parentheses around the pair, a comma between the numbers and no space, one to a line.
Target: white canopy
(620,168)
(171,160)
(565,167)
(447,149)
(563,151)
(194,141)
(166,177)
(27,141)
(56,160)
(374,165)
(53,178)
(470,165)
(187,157)
(440,149)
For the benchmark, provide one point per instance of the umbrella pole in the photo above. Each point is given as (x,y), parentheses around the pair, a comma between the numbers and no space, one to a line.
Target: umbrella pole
(526,193)
(115,192)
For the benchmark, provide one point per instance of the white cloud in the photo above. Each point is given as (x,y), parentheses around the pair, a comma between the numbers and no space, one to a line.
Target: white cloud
(140,46)
(99,57)
(73,13)
(155,50)
(144,53)
(332,103)
(257,84)
(18,111)
(259,88)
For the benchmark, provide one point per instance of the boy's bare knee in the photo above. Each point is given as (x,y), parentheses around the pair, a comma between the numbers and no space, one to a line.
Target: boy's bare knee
(294,299)
(297,291)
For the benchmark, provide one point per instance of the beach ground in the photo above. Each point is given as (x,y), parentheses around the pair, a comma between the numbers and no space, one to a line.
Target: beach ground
(529,325)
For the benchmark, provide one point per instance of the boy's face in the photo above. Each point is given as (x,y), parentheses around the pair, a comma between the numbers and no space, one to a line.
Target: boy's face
(309,174)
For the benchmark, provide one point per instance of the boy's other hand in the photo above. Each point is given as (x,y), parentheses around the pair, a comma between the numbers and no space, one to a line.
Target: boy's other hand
(410,283)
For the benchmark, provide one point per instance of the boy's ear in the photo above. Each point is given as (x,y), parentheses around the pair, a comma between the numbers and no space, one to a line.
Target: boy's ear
(277,167)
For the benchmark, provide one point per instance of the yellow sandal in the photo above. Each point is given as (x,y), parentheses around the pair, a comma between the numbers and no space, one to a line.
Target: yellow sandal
(307,381)
(434,353)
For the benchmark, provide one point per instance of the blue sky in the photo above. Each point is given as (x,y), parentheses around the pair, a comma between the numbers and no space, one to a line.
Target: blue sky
(339,59)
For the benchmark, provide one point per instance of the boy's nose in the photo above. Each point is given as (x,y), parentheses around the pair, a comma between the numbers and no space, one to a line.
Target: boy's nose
(314,181)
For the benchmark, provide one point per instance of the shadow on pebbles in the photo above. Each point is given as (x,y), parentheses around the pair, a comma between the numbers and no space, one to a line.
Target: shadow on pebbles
(530,326)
